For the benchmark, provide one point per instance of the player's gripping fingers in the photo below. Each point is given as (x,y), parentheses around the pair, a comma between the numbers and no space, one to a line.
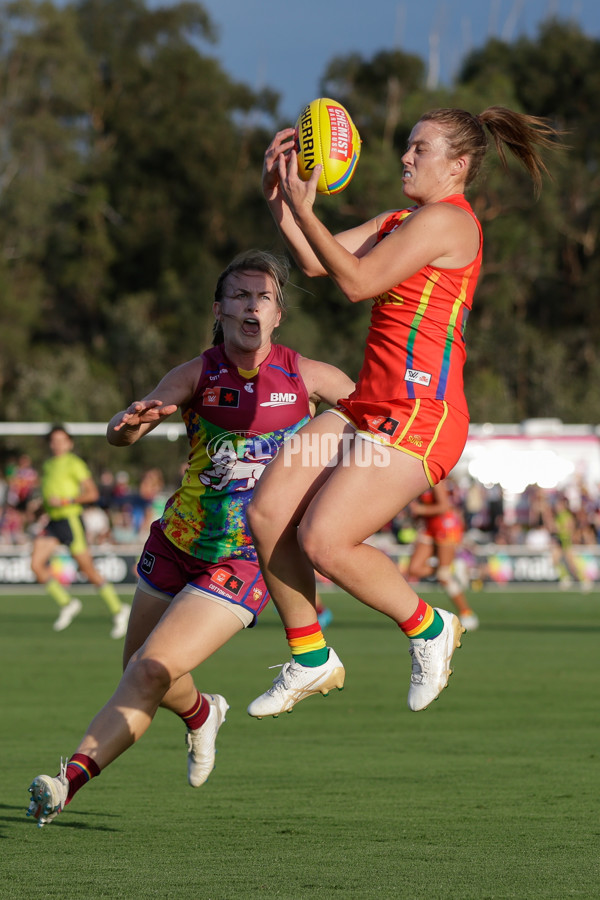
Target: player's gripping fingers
(281,144)
(299,193)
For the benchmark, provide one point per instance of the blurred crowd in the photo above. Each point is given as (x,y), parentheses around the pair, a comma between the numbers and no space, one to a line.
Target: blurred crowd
(127,507)
(537,518)
(123,513)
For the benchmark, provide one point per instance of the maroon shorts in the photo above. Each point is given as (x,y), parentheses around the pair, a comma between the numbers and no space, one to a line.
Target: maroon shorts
(167,569)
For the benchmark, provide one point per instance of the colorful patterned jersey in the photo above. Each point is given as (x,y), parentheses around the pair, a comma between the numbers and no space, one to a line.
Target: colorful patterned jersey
(62,477)
(236,422)
(415,345)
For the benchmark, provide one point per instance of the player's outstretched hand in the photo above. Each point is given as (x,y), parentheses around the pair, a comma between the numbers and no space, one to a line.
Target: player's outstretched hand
(299,194)
(142,412)
(281,144)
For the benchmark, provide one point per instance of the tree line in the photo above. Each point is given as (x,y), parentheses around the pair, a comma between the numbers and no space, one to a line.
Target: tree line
(130,175)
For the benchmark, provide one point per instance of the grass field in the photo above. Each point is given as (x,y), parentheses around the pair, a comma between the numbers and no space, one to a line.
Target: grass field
(491,793)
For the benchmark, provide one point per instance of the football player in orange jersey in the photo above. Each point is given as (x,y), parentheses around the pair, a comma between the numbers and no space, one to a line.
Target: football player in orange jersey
(405,425)
(434,552)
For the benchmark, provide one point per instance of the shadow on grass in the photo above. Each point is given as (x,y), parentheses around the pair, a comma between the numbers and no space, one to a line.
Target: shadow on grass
(18,816)
(540,628)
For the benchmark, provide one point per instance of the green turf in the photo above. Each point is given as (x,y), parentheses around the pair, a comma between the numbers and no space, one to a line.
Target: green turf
(491,793)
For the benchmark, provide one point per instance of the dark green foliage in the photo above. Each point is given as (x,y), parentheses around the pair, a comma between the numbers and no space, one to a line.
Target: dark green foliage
(130,175)
(124,184)
(540,282)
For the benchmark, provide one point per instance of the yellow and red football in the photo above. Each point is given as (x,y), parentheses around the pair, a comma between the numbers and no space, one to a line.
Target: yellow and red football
(326,135)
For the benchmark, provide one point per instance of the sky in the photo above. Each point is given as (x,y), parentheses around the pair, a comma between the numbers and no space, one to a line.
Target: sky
(287,45)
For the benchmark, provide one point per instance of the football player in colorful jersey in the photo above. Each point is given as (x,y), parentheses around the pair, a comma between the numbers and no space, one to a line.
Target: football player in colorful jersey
(434,553)
(199,578)
(408,414)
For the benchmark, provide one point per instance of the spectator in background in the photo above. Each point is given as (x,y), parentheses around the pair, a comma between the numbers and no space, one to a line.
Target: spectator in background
(474,505)
(495,506)
(144,508)
(97,525)
(585,519)
(106,487)
(22,491)
(67,486)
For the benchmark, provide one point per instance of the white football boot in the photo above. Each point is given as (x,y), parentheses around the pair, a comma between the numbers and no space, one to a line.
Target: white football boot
(48,796)
(295,683)
(431,662)
(201,741)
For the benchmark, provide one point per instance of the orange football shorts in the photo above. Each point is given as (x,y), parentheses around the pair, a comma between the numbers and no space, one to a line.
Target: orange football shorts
(431,430)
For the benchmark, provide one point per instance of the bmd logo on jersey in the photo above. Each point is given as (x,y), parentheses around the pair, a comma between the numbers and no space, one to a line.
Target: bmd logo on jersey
(280,399)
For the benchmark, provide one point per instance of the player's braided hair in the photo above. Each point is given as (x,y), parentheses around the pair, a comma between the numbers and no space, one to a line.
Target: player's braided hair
(520,133)
(253,261)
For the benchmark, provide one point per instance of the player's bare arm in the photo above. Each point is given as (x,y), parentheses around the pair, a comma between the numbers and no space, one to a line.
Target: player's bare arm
(436,234)
(279,155)
(324,383)
(142,416)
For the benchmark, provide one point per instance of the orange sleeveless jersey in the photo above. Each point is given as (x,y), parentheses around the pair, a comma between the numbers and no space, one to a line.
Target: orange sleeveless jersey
(415,345)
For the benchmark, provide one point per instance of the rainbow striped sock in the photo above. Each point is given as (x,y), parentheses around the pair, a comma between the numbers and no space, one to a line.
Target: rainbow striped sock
(424,624)
(80,769)
(197,715)
(308,645)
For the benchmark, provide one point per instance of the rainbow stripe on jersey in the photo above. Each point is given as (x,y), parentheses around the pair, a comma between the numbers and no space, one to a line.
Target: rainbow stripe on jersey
(415,346)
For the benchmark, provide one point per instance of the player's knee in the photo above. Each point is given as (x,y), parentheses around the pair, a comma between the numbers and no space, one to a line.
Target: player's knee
(319,549)
(266,525)
(149,675)
(257,519)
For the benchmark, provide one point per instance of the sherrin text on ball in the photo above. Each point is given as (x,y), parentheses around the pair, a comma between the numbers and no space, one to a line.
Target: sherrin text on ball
(327,136)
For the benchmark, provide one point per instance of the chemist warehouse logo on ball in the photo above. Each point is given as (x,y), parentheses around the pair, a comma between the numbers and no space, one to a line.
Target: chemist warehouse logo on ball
(341,134)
